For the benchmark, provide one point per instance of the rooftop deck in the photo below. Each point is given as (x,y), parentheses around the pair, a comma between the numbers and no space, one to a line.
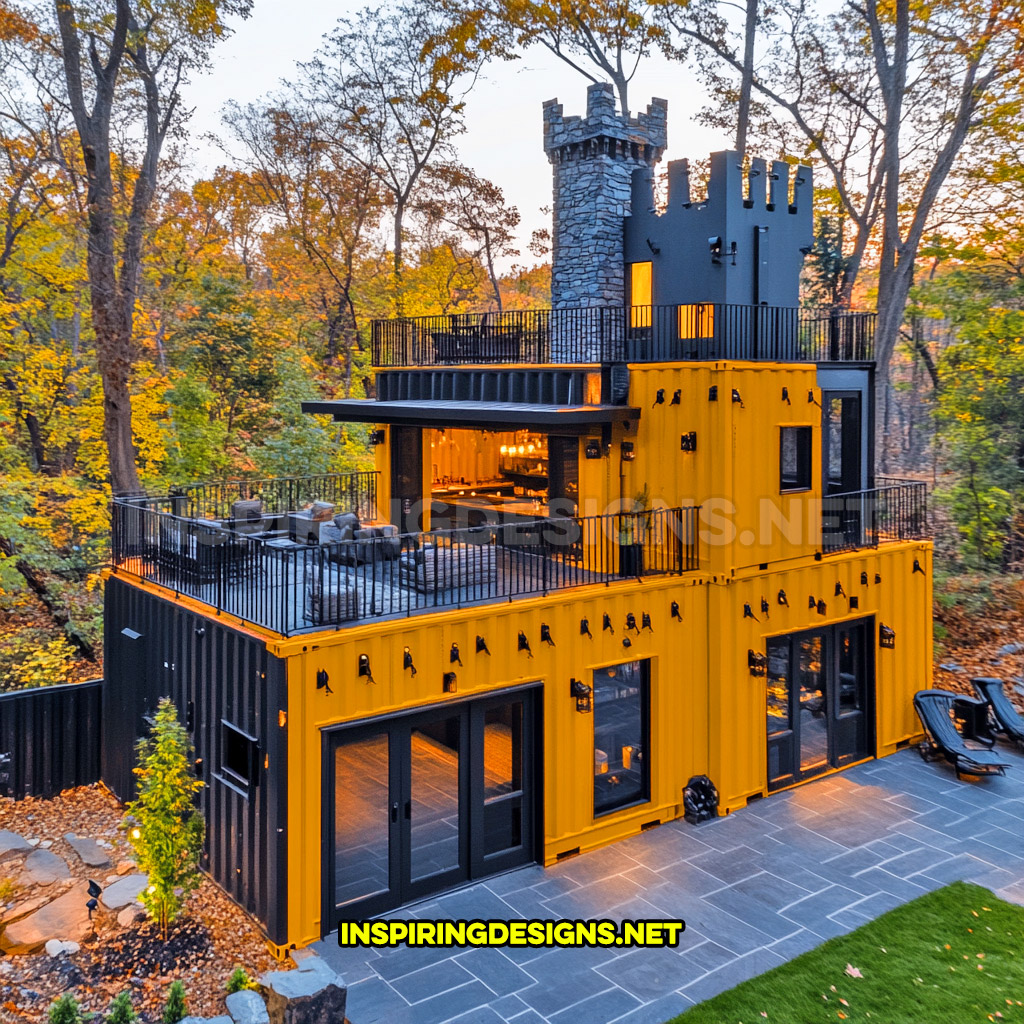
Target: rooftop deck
(637,334)
(275,570)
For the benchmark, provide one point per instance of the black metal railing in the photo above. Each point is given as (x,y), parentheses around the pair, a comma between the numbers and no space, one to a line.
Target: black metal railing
(348,492)
(865,519)
(289,587)
(615,334)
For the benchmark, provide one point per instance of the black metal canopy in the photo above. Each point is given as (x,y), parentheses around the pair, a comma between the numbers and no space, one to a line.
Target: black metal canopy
(576,419)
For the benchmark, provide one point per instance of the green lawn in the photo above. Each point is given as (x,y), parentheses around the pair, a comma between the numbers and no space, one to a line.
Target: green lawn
(954,956)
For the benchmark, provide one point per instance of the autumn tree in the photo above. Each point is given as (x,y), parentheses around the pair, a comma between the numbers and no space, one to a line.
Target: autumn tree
(124,63)
(325,207)
(473,211)
(387,108)
(885,98)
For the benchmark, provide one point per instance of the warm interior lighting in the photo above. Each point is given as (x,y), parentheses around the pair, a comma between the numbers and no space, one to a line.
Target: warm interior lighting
(640,294)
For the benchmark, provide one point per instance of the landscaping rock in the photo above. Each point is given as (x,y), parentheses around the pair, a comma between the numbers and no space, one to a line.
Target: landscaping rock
(55,947)
(125,867)
(124,891)
(1011,648)
(43,867)
(12,845)
(247,1007)
(952,666)
(34,841)
(206,1020)
(305,997)
(65,918)
(90,852)
(127,917)
(46,844)
(23,909)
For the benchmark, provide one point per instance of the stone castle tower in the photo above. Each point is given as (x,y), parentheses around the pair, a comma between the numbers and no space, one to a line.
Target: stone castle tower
(593,160)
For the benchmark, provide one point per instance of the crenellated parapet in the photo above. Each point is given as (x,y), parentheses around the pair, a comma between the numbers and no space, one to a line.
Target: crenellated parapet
(743,243)
(593,161)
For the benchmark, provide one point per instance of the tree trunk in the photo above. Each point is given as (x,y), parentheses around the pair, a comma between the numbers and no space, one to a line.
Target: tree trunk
(747,77)
(399,297)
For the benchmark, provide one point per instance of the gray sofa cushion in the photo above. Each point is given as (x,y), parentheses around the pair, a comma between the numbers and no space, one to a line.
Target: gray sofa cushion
(347,523)
(247,509)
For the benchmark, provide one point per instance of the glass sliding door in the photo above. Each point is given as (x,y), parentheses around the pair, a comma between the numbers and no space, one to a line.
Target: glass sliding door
(818,701)
(362,781)
(421,803)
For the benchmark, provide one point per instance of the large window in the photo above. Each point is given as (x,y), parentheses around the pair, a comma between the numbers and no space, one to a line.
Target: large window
(621,711)
(641,289)
(795,459)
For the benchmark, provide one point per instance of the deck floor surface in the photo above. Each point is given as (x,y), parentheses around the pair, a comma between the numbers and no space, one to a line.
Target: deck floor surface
(755,889)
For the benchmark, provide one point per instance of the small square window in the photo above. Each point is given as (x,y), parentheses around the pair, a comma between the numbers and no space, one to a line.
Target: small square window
(239,754)
(795,459)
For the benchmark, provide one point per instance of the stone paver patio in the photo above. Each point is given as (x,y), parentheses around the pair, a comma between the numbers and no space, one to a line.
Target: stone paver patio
(755,889)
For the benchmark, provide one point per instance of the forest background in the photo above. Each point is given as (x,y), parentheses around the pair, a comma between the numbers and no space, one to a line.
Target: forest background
(158,328)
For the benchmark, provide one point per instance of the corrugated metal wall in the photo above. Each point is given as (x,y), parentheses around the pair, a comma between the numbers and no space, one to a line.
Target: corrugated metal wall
(214,674)
(49,739)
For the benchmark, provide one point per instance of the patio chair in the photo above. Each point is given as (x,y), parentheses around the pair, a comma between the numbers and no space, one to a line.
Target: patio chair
(936,708)
(1007,719)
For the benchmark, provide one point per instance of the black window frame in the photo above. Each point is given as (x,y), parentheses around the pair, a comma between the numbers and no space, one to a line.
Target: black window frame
(645,737)
(803,480)
(238,747)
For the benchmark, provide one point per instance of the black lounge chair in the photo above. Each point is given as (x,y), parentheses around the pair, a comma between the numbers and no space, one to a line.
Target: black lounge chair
(1008,720)
(935,709)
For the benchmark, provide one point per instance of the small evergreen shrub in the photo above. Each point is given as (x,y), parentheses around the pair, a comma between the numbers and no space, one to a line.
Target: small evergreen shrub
(67,1010)
(164,825)
(240,980)
(174,1009)
(121,1010)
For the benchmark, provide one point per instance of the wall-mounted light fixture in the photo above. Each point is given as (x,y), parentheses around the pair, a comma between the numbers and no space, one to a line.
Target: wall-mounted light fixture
(886,636)
(659,397)
(628,451)
(713,393)
(677,396)
(631,622)
(607,624)
(688,442)
(715,248)
(645,621)
(592,449)
(585,628)
(811,399)
(748,613)
(812,602)
(917,568)
(765,607)
(450,683)
(878,577)
(675,613)
(364,668)
(822,608)
(756,662)
(524,643)
(863,579)
(581,693)
(407,661)
(783,600)
(377,437)
(545,634)
(454,655)
(323,680)
(737,398)
(854,601)
(481,646)
(839,589)
(785,396)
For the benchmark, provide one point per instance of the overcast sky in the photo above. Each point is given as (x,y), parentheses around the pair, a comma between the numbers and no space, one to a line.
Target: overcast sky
(503,116)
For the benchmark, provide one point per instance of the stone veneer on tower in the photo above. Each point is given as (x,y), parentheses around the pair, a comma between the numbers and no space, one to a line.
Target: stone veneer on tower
(593,160)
